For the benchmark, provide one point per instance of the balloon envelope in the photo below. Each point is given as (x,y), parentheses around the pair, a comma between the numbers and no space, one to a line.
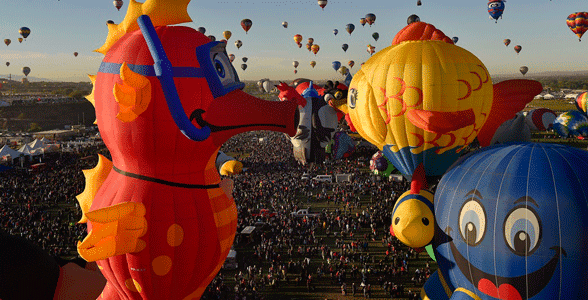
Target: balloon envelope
(243,66)
(315,49)
(244,59)
(335,31)
(267,86)
(322,3)
(295,64)
(238,43)
(227,35)
(540,119)
(26,71)
(345,47)
(75,54)
(7,64)
(118,4)
(524,70)
(313,63)
(578,23)
(7,41)
(518,48)
(376,36)
(370,19)
(231,57)
(506,42)
(349,27)
(412,19)
(455,39)
(495,9)
(200,29)
(285,24)
(336,65)
(362,21)
(582,102)
(571,123)
(246,24)
(351,63)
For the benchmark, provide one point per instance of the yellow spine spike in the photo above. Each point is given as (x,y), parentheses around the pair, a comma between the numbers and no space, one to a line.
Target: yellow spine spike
(94,180)
(133,96)
(161,12)
(91,96)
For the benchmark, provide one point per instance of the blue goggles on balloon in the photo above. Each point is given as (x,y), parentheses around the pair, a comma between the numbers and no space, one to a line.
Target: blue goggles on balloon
(215,67)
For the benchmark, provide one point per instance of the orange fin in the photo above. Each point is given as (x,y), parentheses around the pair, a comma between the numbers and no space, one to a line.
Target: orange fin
(510,97)
(94,180)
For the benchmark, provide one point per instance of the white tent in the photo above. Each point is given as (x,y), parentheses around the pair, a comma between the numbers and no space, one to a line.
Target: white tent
(37,144)
(5,151)
(548,97)
(26,150)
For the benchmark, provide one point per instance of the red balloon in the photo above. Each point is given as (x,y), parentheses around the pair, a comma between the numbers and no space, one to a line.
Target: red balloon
(246,24)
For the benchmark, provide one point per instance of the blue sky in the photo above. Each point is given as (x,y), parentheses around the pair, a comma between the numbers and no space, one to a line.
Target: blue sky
(59,28)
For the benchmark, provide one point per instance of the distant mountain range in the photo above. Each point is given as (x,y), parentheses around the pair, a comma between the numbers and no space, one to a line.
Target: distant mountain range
(18,78)
(545,74)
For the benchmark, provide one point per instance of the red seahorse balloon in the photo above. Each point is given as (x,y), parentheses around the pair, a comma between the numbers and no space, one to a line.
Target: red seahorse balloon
(160,223)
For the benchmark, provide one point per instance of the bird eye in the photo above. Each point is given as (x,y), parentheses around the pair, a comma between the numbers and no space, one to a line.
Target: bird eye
(522,230)
(493,5)
(352,97)
(472,222)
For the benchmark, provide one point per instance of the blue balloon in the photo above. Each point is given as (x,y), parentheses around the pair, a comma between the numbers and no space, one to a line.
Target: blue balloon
(571,123)
(335,31)
(495,9)
(511,223)
(455,39)
(336,65)
(350,27)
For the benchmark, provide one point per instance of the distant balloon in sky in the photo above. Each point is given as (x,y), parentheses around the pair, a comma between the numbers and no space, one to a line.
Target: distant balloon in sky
(24,31)
(455,39)
(345,47)
(238,43)
(495,9)
(412,19)
(419,3)
(243,66)
(310,41)
(578,23)
(312,64)
(75,54)
(212,37)
(335,31)
(200,29)
(371,49)
(362,21)
(351,64)
(376,36)
(298,39)
(26,71)
(308,47)
(246,24)
(506,42)
(231,57)
(20,40)
(7,64)
(350,27)
(518,48)
(285,24)
(336,65)
(109,22)
(295,64)
(118,4)
(7,41)
(315,49)
(227,35)
(370,19)
(524,70)
(322,3)
(244,59)
(295,71)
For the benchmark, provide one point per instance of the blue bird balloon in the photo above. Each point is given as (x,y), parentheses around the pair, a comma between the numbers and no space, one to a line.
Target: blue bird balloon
(495,9)
(511,223)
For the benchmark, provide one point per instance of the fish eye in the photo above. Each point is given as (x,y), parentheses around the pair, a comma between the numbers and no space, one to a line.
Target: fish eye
(352,97)
(522,230)
(223,67)
(396,220)
(472,222)
(220,69)
(425,221)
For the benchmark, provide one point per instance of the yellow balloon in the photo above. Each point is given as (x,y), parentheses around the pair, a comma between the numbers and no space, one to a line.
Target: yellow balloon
(404,95)
(227,34)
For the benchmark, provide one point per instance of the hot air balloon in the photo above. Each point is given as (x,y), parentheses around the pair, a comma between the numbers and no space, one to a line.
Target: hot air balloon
(231,57)
(502,210)
(362,21)
(227,35)
(571,123)
(380,165)
(295,71)
(75,54)
(350,27)
(315,49)
(7,42)
(322,3)
(506,42)
(267,85)
(524,70)
(540,119)
(335,31)
(455,39)
(295,64)
(26,71)
(495,9)
(7,64)
(118,4)
(285,24)
(312,64)
(200,29)
(212,37)
(238,43)
(351,64)
(243,66)
(412,19)
(419,3)
(311,41)
(371,49)
(345,47)
(298,39)
(518,48)
(582,102)
(308,47)
(578,23)
(370,19)
(246,24)
(244,59)
(20,40)
(336,65)
(343,70)
(376,36)
(109,22)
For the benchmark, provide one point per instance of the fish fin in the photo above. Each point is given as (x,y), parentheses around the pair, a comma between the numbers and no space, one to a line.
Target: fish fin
(94,179)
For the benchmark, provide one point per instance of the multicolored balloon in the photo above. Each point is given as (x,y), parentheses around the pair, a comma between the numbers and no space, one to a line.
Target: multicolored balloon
(315,49)
(343,70)
(238,44)
(524,70)
(518,48)
(7,41)
(322,4)
(227,35)
(118,4)
(285,24)
(75,54)
(312,64)
(578,23)
(308,47)
(495,9)
(349,27)
(376,36)
(295,64)
(500,214)
(246,25)
(231,57)
(371,49)
(310,41)
(370,18)
(335,31)
(582,102)
(506,42)
(336,65)
(297,39)
(380,165)
(7,64)
(455,39)
(351,64)
(345,47)
(571,123)
(20,40)
(540,119)
(419,3)
(362,21)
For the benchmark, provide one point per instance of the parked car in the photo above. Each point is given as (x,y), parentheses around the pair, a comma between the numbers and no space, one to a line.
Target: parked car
(304,213)
(264,212)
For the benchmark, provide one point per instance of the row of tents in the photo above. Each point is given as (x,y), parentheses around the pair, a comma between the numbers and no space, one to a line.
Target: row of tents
(34,148)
